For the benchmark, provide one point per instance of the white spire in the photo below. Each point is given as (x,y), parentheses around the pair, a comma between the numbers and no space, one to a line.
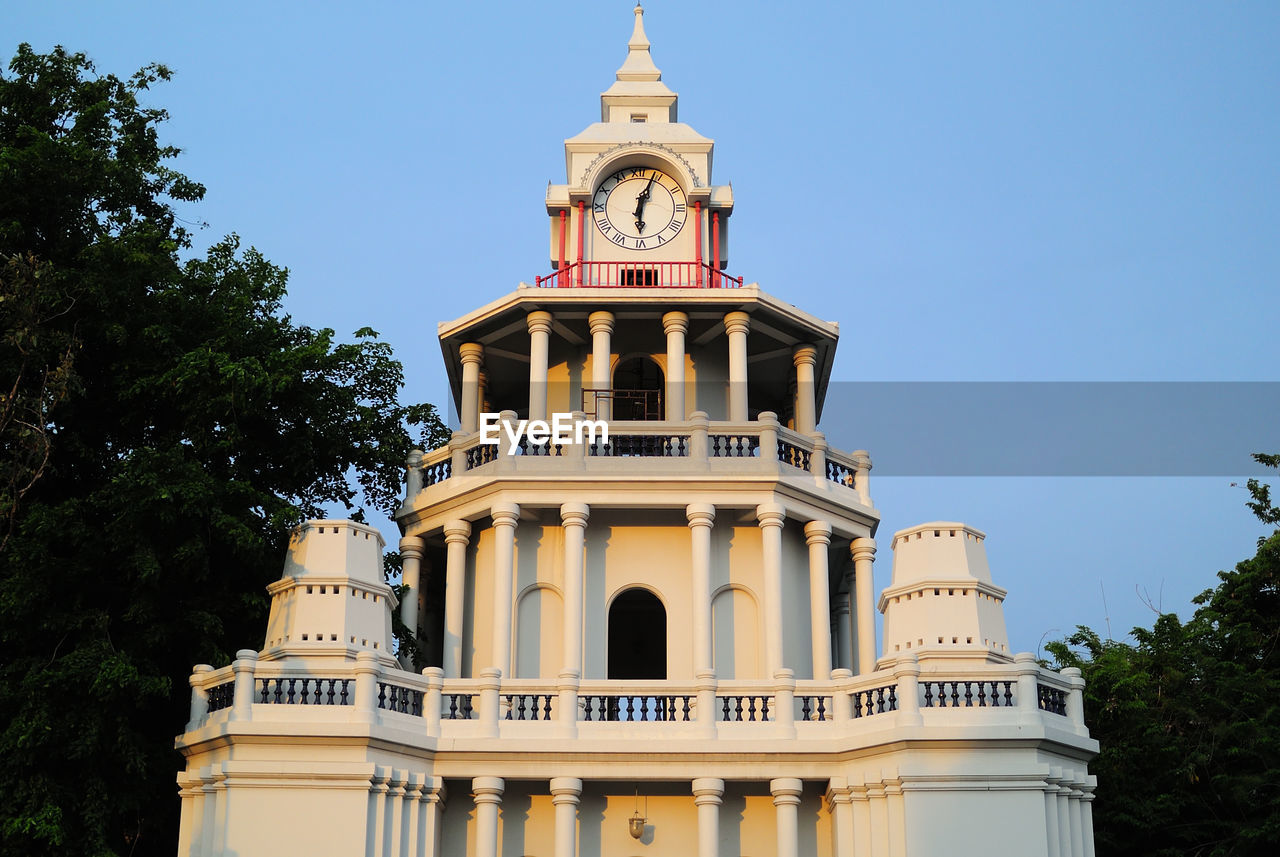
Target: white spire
(639,82)
(639,64)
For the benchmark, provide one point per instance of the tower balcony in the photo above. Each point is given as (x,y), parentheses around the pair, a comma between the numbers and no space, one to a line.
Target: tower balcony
(762,453)
(633,274)
(751,721)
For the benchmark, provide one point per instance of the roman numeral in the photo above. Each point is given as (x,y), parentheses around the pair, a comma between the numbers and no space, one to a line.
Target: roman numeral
(675,225)
(637,171)
(598,207)
(679,206)
(619,238)
(659,238)
(604,227)
(639,243)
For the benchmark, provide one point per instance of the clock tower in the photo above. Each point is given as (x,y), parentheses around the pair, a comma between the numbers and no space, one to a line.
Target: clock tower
(639,207)
(654,635)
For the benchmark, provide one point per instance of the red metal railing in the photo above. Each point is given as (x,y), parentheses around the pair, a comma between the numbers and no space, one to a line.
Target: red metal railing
(654,275)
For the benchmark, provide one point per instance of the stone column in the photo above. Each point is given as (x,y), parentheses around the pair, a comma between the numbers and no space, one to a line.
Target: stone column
(573,517)
(505,517)
(433,797)
(817,535)
(770,517)
(1086,822)
(487,792)
(708,793)
(472,356)
(736,324)
(411,548)
(701,516)
(675,325)
(601,323)
(861,820)
(840,805)
(786,797)
(456,536)
(539,347)
(565,794)
(805,358)
(864,554)
(1052,835)
(844,629)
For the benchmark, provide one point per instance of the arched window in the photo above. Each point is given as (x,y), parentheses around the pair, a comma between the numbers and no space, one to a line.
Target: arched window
(637,389)
(637,636)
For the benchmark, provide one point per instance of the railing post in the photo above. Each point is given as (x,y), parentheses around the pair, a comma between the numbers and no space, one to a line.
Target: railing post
(505,455)
(1028,671)
(841,702)
(768,437)
(431,700)
(862,476)
(491,683)
(457,454)
(199,696)
(784,702)
(698,428)
(367,670)
(577,451)
(907,672)
(243,668)
(412,476)
(567,690)
(1075,696)
(706,690)
(818,460)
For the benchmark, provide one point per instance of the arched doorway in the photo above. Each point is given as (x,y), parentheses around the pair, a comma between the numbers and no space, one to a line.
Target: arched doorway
(637,389)
(637,636)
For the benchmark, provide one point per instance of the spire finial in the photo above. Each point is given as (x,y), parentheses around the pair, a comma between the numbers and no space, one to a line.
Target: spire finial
(639,64)
(639,42)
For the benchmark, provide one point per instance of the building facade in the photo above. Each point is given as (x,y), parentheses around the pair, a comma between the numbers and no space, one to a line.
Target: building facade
(659,641)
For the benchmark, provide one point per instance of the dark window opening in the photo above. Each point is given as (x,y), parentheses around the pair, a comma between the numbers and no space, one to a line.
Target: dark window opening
(637,637)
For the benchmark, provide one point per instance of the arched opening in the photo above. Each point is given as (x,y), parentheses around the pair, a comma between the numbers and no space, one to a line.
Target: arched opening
(637,389)
(637,636)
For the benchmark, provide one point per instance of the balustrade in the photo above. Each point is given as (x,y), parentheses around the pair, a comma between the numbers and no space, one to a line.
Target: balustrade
(304,691)
(642,446)
(405,700)
(528,706)
(220,696)
(877,700)
(1052,699)
(734,445)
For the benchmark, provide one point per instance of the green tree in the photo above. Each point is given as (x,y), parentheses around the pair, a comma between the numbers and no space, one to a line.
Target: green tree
(165,425)
(1188,716)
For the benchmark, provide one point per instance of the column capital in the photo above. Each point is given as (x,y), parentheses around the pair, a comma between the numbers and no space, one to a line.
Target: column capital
(804,355)
(566,788)
(700,514)
(600,321)
(574,514)
(505,514)
(863,549)
(411,547)
(708,790)
(488,789)
(737,322)
(539,321)
(770,514)
(456,532)
(471,352)
(786,790)
(675,322)
(817,533)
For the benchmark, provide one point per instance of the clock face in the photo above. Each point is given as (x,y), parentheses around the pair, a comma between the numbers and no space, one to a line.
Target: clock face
(639,208)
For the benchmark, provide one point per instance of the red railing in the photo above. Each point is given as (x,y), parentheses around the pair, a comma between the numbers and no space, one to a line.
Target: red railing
(653,275)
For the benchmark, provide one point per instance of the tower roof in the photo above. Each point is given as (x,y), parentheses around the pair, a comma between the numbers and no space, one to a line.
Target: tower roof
(638,81)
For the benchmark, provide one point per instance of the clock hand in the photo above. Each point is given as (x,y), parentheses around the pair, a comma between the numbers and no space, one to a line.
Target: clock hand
(641,199)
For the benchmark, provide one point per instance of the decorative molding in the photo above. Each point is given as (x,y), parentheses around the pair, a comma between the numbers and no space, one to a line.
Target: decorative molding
(609,154)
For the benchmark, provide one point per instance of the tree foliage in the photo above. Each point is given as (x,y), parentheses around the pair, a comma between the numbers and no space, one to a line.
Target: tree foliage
(1188,716)
(163,424)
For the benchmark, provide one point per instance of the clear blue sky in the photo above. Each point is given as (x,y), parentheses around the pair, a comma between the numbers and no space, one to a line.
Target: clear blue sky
(975,191)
